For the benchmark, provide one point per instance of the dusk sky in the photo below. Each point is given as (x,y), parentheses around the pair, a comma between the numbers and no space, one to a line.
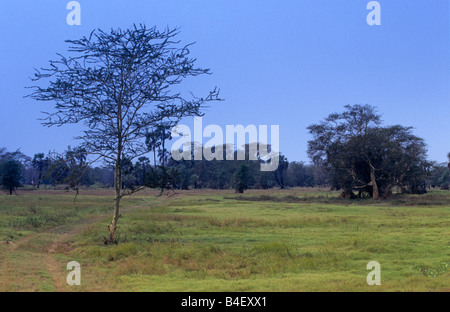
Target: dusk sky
(288,63)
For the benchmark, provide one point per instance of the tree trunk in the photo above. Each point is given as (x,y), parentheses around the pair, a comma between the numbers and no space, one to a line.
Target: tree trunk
(39,181)
(376,193)
(113,226)
(117,186)
(163,152)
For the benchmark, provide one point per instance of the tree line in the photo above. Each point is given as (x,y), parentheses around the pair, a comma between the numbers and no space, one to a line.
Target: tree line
(72,170)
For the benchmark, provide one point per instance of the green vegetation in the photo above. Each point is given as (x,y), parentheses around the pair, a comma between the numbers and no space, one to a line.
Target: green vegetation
(263,240)
(10,175)
(361,155)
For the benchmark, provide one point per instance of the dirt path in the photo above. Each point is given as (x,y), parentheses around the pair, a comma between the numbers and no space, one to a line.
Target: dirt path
(61,245)
(32,264)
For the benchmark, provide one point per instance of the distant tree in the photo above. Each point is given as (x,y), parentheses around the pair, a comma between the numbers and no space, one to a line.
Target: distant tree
(156,142)
(164,135)
(264,181)
(12,169)
(10,174)
(300,174)
(399,159)
(104,176)
(119,85)
(321,176)
(444,180)
(439,176)
(129,180)
(360,154)
(78,165)
(152,141)
(40,163)
(242,178)
(186,176)
(141,169)
(58,169)
(280,172)
(445,177)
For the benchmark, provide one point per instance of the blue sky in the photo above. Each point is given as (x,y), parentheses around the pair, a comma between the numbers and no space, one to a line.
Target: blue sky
(287,63)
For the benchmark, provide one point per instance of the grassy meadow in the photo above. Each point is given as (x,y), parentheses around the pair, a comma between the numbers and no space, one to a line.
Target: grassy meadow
(209,240)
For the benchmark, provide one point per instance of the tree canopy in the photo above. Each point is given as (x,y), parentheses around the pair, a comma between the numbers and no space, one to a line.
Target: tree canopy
(361,154)
(11,170)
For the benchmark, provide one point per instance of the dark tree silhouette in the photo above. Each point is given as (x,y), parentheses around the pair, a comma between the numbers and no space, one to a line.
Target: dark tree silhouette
(360,154)
(10,174)
(242,178)
(40,164)
(280,172)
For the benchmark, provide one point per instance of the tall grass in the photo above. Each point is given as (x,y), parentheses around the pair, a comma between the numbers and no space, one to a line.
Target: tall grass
(290,240)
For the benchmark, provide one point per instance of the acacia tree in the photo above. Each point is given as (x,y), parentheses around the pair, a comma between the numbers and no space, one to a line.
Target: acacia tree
(360,154)
(120,84)
(334,142)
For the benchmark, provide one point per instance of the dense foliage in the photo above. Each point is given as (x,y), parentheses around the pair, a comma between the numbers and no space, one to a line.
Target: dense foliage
(362,155)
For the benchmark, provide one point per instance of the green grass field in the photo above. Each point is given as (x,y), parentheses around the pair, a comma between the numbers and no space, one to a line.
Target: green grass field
(276,240)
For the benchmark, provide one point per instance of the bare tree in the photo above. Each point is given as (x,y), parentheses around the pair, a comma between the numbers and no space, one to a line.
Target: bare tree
(120,84)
